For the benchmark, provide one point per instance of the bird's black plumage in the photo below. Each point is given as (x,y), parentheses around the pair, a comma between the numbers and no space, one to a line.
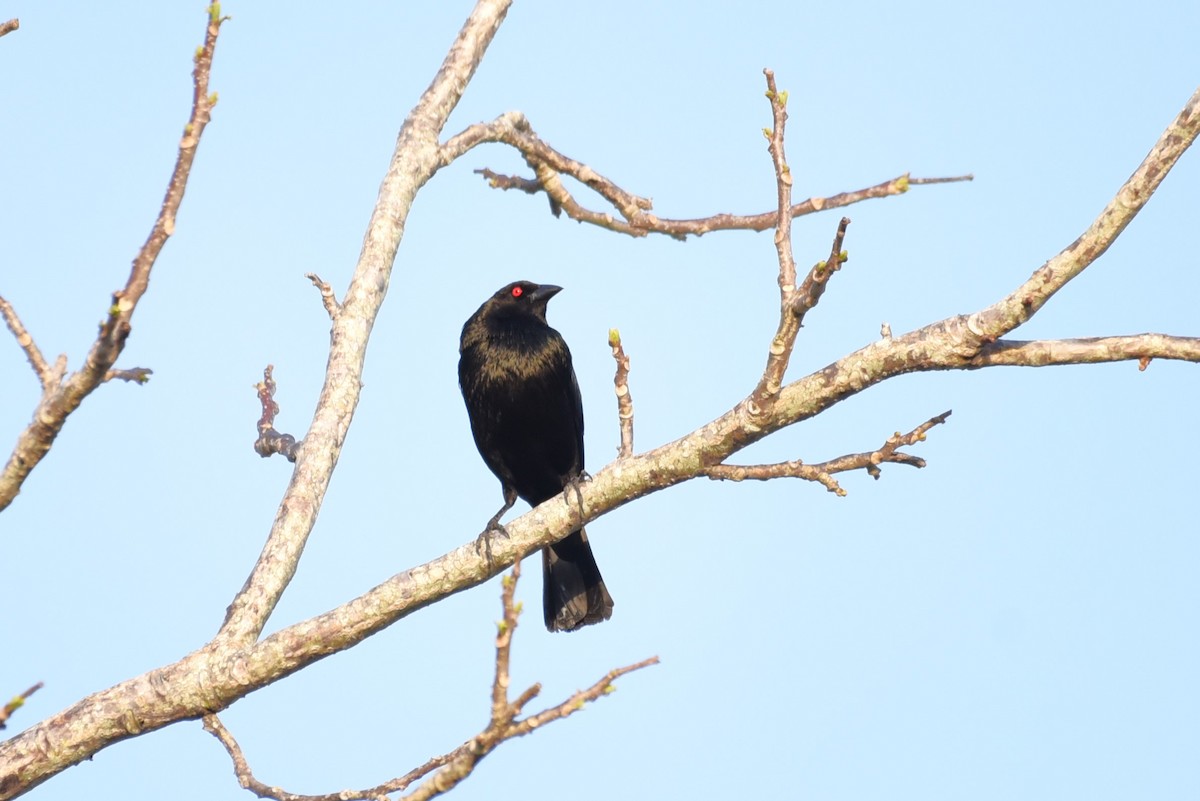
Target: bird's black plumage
(527,418)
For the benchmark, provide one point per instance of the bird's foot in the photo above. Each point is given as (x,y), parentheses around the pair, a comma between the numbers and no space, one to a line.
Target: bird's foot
(483,543)
(574,484)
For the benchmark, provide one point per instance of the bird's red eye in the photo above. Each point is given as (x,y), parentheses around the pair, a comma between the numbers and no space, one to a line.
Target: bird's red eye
(517,292)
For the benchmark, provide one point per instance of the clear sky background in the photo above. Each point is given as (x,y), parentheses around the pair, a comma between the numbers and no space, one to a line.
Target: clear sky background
(1017,620)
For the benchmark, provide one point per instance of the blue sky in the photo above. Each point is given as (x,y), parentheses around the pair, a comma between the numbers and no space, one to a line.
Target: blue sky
(1016,620)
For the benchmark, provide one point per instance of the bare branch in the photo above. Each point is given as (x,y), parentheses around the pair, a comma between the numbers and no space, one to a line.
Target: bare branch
(25,340)
(822,472)
(135,375)
(269,440)
(459,763)
(624,399)
(503,724)
(16,703)
(809,293)
(237,662)
(1090,350)
(245,776)
(415,160)
(52,411)
(762,399)
(327,297)
(513,129)
(9,26)
(995,321)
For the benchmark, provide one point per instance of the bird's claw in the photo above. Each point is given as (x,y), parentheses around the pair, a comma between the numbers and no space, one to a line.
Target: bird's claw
(573,484)
(483,543)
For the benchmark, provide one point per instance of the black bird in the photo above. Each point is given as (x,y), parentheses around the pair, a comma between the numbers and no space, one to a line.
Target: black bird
(527,418)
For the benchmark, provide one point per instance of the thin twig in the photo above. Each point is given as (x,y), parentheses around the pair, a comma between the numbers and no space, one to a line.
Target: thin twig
(809,293)
(455,765)
(624,399)
(25,340)
(636,219)
(16,703)
(136,375)
(762,400)
(327,297)
(822,472)
(52,411)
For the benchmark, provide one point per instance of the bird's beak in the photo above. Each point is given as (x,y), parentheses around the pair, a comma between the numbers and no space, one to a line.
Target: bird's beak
(544,292)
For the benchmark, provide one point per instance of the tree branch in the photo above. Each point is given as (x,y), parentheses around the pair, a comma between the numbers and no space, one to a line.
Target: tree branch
(995,321)
(237,663)
(328,299)
(459,763)
(414,161)
(9,26)
(62,397)
(513,129)
(269,440)
(16,703)
(624,399)
(1089,350)
(822,472)
(38,362)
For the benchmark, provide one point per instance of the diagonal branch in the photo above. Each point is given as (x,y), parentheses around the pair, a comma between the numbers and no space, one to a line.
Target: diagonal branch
(25,340)
(459,763)
(997,320)
(9,26)
(63,397)
(237,663)
(16,703)
(414,161)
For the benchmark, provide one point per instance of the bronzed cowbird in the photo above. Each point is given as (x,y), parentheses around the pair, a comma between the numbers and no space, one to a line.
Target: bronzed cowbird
(527,418)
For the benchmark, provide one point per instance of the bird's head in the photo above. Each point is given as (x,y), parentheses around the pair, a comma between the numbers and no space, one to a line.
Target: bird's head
(524,297)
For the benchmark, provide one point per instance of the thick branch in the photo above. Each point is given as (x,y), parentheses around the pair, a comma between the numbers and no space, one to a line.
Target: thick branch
(235,664)
(65,396)
(459,763)
(414,161)
(9,26)
(1090,350)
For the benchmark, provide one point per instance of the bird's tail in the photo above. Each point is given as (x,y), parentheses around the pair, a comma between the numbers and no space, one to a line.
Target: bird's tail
(573,591)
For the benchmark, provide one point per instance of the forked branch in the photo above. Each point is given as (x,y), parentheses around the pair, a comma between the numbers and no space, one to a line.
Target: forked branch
(635,217)
(454,766)
(60,397)
(822,472)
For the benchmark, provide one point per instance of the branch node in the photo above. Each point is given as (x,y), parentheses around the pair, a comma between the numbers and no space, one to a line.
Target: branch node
(269,440)
(330,301)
